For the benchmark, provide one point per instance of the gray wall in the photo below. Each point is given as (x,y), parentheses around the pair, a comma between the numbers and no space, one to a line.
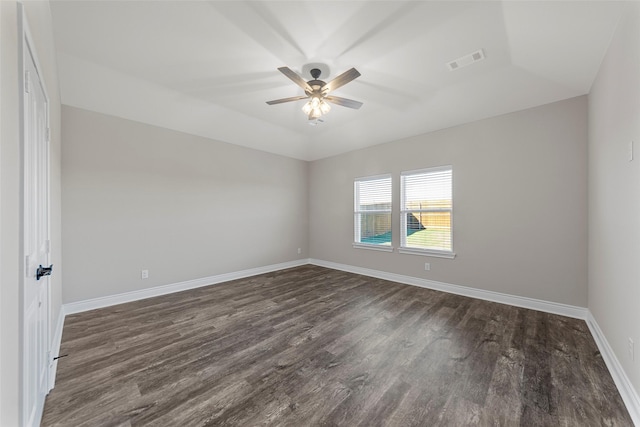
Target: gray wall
(139,197)
(136,196)
(520,203)
(614,194)
(39,19)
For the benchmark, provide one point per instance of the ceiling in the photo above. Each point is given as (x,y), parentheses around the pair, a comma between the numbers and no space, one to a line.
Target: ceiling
(207,68)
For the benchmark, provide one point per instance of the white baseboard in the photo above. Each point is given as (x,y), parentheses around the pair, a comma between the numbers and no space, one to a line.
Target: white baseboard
(55,347)
(524,302)
(628,393)
(626,389)
(107,301)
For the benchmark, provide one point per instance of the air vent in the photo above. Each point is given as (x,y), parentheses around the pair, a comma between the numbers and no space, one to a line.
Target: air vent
(463,61)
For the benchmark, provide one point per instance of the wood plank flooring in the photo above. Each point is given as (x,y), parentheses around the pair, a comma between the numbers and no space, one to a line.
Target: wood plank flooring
(313,346)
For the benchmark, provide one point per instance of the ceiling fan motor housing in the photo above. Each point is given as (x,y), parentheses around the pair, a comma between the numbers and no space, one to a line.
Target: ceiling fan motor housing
(316,84)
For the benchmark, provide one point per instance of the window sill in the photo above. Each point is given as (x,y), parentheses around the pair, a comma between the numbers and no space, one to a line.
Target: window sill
(381,248)
(427,252)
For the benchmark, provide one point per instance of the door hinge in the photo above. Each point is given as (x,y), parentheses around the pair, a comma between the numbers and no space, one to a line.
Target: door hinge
(27,76)
(47,246)
(48,134)
(27,267)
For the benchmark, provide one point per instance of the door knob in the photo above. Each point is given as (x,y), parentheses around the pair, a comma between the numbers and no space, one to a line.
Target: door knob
(43,271)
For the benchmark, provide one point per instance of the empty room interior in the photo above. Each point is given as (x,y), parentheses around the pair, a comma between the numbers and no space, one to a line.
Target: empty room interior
(319,213)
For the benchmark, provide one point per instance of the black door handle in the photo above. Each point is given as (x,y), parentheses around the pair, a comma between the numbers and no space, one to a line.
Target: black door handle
(43,271)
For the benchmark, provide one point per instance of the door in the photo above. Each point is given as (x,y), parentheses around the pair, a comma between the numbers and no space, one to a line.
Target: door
(35,241)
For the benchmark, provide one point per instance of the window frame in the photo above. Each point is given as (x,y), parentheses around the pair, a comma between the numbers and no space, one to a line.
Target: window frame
(356,214)
(404,249)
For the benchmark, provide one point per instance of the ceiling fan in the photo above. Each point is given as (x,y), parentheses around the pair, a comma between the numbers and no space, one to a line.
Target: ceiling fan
(317,92)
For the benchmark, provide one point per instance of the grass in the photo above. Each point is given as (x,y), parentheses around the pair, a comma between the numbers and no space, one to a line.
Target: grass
(435,238)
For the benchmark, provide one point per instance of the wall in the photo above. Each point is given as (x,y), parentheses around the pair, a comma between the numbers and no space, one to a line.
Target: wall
(520,203)
(614,194)
(3,400)
(184,207)
(39,19)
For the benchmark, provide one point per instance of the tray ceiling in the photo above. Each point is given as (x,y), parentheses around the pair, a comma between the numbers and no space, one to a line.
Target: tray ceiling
(207,68)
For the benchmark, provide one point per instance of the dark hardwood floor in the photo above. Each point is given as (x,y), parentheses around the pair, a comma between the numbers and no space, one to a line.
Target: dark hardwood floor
(313,346)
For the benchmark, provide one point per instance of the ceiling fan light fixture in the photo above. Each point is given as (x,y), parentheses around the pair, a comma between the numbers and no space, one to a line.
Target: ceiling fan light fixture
(317,92)
(316,107)
(324,107)
(315,114)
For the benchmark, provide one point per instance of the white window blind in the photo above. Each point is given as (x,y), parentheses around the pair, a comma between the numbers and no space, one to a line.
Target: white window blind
(426,211)
(372,212)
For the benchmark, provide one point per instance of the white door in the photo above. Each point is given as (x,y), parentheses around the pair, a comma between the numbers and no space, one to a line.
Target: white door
(36,242)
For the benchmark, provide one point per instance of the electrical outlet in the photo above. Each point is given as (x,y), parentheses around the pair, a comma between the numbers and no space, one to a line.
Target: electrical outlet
(630,348)
(427,266)
(299,251)
(144,274)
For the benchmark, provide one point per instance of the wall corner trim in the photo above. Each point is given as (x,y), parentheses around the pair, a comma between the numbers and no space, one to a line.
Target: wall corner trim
(518,301)
(628,393)
(107,301)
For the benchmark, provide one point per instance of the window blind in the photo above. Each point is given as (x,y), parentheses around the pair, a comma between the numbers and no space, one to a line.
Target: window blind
(426,209)
(372,210)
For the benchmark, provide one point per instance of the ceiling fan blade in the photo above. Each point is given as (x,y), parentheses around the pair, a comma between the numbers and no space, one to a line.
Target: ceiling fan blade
(342,80)
(280,101)
(349,103)
(295,77)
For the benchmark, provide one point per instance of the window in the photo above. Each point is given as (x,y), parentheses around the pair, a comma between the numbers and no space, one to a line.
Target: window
(426,209)
(372,213)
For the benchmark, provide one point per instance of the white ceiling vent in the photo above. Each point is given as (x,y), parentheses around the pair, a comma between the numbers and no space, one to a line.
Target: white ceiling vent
(463,61)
